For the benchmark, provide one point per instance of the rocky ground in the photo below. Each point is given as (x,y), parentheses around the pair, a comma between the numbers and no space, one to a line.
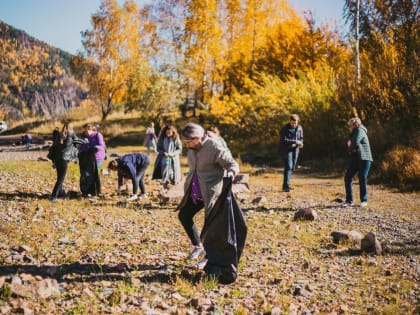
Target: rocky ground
(107,256)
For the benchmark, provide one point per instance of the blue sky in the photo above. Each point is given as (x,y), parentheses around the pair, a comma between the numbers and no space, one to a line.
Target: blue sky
(59,22)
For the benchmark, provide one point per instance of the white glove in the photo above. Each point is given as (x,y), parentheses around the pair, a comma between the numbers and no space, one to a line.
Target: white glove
(230,174)
(299,143)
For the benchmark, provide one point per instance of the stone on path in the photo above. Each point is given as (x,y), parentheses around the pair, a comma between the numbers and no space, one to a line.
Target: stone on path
(370,244)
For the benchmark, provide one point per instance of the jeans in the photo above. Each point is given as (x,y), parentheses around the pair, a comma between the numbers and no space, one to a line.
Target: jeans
(290,160)
(362,168)
(186,215)
(139,180)
(151,143)
(61,168)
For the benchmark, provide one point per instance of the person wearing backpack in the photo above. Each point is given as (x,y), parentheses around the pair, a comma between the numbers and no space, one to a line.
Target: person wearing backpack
(64,150)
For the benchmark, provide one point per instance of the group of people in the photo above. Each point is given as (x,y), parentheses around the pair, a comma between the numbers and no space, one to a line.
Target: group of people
(89,149)
(210,162)
(360,156)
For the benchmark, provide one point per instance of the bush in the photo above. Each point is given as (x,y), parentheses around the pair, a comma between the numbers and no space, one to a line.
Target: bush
(401,167)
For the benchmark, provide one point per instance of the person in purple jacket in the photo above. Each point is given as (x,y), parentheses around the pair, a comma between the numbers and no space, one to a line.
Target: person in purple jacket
(131,166)
(96,143)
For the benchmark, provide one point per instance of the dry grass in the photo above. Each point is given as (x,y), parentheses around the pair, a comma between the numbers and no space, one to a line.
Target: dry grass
(129,258)
(401,168)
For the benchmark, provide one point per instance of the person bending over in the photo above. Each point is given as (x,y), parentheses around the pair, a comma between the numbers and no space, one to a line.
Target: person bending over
(131,166)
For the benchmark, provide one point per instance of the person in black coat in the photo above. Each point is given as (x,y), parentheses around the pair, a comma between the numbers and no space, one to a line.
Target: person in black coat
(64,150)
(131,166)
(291,140)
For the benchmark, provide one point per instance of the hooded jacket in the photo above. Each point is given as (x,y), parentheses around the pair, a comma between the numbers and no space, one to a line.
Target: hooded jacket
(360,143)
(209,161)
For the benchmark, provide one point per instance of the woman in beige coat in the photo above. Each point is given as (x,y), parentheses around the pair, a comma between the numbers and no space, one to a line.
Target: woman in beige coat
(208,159)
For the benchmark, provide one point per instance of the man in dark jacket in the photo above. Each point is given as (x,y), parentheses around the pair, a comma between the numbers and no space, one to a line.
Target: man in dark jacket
(291,140)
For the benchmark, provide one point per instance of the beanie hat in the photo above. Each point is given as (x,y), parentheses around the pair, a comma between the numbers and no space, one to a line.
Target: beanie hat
(192,130)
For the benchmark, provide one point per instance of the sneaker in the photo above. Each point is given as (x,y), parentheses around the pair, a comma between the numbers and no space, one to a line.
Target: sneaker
(363,204)
(53,200)
(196,252)
(348,204)
(132,198)
(286,189)
(143,196)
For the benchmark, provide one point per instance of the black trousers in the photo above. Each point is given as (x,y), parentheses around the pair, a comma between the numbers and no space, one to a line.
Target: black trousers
(139,180)
(61,168)
(186,215)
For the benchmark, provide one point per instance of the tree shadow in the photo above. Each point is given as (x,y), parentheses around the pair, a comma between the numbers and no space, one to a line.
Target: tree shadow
(33,195)
(91,272)
(289,209)
(23,195)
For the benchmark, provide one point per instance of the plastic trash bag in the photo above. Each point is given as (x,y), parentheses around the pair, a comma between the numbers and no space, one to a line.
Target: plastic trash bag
(223,236)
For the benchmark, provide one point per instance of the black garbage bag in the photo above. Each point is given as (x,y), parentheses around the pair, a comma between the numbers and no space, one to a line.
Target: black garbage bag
(223,236)
(89,175)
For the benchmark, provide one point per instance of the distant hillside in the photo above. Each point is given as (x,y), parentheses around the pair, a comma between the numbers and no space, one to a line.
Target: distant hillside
(34,77)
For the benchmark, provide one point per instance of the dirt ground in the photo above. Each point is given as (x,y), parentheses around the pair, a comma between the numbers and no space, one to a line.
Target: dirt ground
(107,256)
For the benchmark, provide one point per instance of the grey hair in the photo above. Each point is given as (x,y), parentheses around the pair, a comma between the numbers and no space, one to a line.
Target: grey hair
(355,121)
(192,130)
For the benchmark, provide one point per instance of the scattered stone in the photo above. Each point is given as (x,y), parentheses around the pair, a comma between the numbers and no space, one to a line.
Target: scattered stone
(305,214)
(340,236)
(24,248)
(5,309)
(370,244)
(259,200)
(16,280)
(355,239)
(259,171)
(65,241)
(276,311)
(47,288)
(21,290)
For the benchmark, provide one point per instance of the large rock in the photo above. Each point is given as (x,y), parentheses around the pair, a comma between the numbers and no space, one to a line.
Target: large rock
(370,244)
(352,236)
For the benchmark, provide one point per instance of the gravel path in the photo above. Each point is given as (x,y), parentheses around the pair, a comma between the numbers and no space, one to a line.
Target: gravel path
(18,153)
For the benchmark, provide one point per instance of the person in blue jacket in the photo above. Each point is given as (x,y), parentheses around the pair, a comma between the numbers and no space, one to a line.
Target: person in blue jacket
(131,166)
(291,140)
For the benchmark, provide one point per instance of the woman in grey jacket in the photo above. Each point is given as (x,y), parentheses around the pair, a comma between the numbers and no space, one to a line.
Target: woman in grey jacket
(208,159)
(360,161)
(65,150)
(168,165)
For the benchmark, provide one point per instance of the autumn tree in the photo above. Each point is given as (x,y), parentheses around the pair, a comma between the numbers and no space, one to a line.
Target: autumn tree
(389,48)
(112,54)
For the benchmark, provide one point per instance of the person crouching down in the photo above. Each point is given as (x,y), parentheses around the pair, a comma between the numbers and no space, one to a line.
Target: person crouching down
(131,166)
(208,160)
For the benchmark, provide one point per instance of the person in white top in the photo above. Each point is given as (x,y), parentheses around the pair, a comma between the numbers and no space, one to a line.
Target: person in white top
(150,138)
